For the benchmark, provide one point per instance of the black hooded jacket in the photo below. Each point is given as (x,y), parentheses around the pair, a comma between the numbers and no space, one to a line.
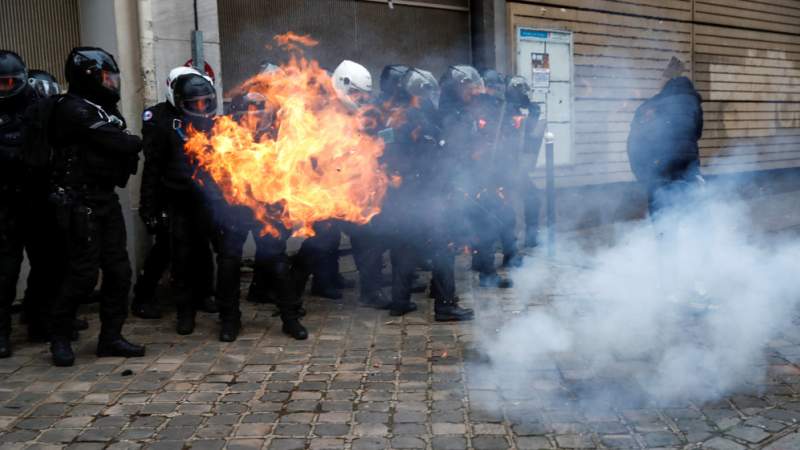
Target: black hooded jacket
(665,131)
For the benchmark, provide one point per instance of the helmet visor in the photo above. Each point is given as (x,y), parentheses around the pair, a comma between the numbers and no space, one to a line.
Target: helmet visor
(423,85)
(200,106)
(11,85)
(44,88)
(358,96)
(110,80)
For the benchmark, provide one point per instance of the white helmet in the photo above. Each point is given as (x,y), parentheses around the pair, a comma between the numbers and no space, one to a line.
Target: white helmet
(177,72)
(352,83)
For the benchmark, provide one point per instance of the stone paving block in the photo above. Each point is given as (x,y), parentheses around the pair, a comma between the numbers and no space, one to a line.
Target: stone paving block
(749,434)
(574,441)
(287,444)
(331,429)
(59,435)
(490,443)
(448,443)
(245,444)
(253,430)
(327,444)
(449,428)
(533,443)
(370,443)
(719,443)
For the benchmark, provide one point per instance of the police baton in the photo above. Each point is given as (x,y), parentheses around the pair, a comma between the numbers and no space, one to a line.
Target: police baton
(549,139)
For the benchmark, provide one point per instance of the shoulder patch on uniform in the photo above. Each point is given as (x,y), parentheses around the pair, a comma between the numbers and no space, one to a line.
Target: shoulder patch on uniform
(147,115)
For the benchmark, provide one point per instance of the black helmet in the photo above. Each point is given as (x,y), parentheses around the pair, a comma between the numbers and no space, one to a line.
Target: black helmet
(93,72)
(461,82)
(495,83)
(13,74)
(517,92)
(391,78)
(195,96)
(43,83)
(421,84)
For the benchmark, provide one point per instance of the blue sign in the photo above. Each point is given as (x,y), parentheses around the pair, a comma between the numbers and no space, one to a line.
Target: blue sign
(528,33)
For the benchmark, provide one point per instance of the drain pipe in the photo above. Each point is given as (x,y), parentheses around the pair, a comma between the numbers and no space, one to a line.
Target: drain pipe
(148,54)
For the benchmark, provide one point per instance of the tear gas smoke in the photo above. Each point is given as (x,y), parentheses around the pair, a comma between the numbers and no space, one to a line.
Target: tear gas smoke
(675,309)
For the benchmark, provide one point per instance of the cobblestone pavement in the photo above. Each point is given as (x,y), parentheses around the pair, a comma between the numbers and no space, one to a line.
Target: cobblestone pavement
(364,380)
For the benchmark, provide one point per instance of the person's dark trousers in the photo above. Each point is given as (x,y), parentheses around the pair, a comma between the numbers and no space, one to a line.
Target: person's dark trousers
(486,225)
(676,181)
(155,265)
(368,245)
(11,245)
(189,244)
(532,205)
(46,255)
(319,255)
(95,240)
(272,266)
(229,245)
(408,242)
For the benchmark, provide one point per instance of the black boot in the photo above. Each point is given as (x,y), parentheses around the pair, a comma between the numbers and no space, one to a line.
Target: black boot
(449,311)
(5,346)
(61,351)
(495,281)
(185,324)
(375,300)
(295,329)
(145,310)
(401,309)
(229,330)
(119,347)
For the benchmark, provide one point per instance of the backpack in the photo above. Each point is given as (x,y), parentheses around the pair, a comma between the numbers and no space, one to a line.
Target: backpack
(37,150)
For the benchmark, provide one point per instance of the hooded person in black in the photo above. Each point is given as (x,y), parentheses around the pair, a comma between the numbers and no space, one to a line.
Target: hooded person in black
(93,155)
(663,142)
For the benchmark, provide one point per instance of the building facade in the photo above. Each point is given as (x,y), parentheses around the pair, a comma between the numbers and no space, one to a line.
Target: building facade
(592,61)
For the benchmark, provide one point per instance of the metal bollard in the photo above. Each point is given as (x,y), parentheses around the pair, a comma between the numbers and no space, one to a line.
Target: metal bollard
(549,139)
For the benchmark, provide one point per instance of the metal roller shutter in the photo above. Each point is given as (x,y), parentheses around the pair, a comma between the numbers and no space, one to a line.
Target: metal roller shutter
(42,31)
(432,34)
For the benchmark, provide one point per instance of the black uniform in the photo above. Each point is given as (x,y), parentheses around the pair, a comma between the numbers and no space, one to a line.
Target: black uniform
(93,156)
(14,216)
(421,210)
(662,146)
(163,177)
(179,207)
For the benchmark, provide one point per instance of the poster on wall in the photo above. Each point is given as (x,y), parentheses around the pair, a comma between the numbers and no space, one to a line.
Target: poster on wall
(540,76)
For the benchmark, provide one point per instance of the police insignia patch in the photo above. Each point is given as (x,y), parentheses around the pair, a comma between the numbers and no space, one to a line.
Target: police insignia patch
(147,115)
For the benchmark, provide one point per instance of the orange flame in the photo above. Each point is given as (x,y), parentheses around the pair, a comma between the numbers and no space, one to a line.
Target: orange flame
(318,163)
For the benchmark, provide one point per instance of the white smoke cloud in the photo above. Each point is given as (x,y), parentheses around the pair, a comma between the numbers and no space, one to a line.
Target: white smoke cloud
(676,309)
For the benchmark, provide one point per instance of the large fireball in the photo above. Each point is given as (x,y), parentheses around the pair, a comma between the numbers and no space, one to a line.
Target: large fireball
(317,164)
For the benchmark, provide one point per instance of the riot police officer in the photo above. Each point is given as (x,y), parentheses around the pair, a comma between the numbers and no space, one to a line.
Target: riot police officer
(234,223)
(419,208)
(153,208)
(524,141)
(15,97)
(170,190)
(93,154)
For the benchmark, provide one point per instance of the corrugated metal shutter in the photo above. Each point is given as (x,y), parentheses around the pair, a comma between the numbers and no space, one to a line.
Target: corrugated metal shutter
(42,31)
(363,31)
